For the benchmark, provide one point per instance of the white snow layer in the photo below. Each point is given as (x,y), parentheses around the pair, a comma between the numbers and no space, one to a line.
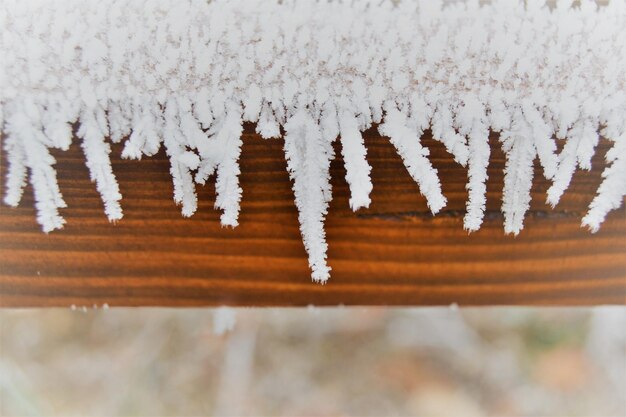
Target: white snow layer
(187,74)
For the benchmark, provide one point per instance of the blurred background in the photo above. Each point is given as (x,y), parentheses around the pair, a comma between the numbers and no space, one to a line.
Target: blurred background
(313,361)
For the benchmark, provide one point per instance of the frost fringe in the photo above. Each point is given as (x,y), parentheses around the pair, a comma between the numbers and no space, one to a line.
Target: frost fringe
(187,74)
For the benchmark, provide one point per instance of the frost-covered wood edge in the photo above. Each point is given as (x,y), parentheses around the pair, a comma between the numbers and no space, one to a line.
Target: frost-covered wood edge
(392,253)
(187,75)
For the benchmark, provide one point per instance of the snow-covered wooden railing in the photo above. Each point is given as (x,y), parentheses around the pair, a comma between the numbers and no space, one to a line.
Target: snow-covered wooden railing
(185,77)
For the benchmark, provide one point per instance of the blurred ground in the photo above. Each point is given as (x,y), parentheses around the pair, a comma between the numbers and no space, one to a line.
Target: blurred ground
(321,362)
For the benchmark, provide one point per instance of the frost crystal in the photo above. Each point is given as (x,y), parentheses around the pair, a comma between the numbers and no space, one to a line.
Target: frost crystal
(224,320)
(187,74)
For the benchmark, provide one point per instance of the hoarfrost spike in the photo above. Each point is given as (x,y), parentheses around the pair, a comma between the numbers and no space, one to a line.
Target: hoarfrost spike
(613,188)
(520,153)
(414,155)
(354,157)
(308,161)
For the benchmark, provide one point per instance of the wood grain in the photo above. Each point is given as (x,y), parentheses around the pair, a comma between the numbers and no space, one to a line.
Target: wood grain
(394,253)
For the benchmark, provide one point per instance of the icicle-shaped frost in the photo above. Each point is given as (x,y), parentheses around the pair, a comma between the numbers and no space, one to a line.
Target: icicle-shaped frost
(354,157)
(443,131)
(414,156)
(16,155)
(473,120)
(228,144)
(221,154)
(613,188)
(144,138)
(582,131)
(520,153)
(27,150)
(182,161)
(542,137)
(267,126)
(93,129)
(308,157)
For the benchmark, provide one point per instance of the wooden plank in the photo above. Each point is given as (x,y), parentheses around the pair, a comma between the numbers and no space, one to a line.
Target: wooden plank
(394,253)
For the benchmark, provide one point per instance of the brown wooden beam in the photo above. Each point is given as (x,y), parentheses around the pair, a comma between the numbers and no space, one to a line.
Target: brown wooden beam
(394,253)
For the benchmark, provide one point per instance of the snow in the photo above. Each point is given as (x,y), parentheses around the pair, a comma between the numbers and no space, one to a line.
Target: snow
(185,75)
